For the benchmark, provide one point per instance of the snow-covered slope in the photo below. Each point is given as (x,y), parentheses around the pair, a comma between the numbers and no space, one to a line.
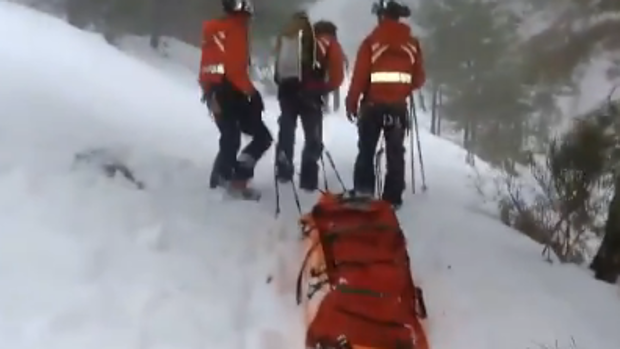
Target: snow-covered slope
(175,58)
(87,261)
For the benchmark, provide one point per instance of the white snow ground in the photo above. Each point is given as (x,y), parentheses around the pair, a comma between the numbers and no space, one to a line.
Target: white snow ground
(91,262)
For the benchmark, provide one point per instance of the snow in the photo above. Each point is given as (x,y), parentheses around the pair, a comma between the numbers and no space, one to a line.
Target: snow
(174,58)
(90,261)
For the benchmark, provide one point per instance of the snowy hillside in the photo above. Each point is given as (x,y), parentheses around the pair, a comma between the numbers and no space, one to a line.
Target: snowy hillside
(174,57)
(92,262)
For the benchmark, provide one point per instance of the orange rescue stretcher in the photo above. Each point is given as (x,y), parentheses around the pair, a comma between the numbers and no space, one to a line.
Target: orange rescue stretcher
(355,282)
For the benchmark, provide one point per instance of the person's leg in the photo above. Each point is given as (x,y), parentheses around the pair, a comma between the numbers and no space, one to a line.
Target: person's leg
(216,178)
(395,158)
(229,144)
(285,150)
(312,123)
(253,126)
(369,131)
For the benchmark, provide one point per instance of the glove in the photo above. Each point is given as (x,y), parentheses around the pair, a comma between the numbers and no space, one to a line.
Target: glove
(204,97)
(353,117)
(352,110)
(256,102)
(210,99)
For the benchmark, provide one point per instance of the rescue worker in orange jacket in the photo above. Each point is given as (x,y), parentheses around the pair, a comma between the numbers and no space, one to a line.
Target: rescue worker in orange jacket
(329,29)
(233,100)
(388,68)
(308,65)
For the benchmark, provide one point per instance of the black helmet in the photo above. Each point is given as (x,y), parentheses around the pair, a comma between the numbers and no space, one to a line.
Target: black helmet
(231,6)
(391,8)
(303,15)
(325,27)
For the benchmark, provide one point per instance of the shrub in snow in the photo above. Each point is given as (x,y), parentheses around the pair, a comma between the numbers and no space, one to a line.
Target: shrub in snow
(554,205)
(558,345)
(571,196)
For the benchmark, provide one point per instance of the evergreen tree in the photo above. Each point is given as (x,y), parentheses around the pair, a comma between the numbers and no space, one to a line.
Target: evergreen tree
(177,18)
(472,52)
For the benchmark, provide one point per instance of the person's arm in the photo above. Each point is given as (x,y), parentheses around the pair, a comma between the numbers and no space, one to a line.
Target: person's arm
(360,78)
(237,59)
(335,66)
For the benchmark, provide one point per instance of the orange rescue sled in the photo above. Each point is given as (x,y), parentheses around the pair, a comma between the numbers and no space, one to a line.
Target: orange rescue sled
(355,282)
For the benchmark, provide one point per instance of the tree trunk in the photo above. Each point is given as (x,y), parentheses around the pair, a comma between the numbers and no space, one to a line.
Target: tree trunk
(156,22)
(439,105)
(606,263)
(422,101)
(469,140)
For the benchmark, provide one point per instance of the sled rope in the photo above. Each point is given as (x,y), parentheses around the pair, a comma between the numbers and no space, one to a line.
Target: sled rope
(325,181)
(277,187)
(333,165)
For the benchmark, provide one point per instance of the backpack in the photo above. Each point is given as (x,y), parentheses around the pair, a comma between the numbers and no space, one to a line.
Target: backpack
(300,32)
(355,282)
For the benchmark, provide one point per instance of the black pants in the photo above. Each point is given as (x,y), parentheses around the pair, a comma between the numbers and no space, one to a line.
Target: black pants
(236,118)
(308,109)
(393,122)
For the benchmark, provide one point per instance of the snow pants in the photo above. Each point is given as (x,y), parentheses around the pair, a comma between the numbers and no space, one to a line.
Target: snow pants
(308,110)
(238,118)
(392,121)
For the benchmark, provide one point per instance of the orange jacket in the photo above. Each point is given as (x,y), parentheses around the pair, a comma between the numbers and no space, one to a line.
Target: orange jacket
(389,66)
(330,50)
(225,53)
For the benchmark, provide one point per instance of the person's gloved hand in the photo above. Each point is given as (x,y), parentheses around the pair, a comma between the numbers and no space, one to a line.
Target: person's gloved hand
(204,96)
(209,98)
(256,102)
(352,108)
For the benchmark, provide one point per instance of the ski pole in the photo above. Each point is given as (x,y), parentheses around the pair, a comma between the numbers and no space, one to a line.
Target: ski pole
(296,196)
(411,145)
(325,182)
(276,182)
(420,158)
(282,157)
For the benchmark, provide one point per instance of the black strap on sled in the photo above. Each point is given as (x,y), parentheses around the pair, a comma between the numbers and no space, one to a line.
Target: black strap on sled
(300,275)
